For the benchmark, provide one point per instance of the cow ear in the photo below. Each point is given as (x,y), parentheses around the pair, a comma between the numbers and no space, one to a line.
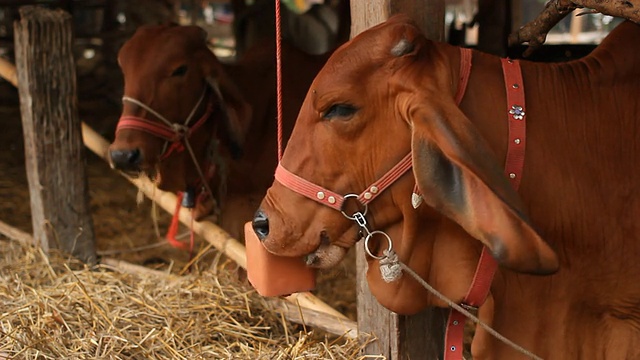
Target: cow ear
(460,177)
(237,110)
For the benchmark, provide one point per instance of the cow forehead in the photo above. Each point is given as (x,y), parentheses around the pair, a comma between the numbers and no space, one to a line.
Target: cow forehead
(156,45)
(359,60)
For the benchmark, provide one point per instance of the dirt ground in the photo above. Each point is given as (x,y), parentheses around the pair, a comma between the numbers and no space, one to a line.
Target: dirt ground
(123,228)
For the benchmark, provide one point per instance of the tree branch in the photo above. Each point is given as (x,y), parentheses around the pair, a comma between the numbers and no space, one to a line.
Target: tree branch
(626,9)
(535,32)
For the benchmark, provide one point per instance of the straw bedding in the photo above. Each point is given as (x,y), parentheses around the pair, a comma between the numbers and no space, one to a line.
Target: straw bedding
(56,308)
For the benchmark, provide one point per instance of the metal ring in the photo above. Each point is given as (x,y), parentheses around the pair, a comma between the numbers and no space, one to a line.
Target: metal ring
(366,244)
(366,207)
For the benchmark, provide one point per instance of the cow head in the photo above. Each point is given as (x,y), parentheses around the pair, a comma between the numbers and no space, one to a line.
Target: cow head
(388,92)
(172,73)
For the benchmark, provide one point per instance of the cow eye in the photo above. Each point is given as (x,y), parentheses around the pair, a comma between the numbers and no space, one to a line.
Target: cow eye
(339,111)
(179,71)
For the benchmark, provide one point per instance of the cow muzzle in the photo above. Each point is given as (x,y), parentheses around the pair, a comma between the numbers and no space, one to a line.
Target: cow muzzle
(128,160)
(315,245)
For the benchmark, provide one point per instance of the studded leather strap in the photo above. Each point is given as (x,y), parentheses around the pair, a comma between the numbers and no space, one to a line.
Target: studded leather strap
(517,125)
(335,200)
(514,164)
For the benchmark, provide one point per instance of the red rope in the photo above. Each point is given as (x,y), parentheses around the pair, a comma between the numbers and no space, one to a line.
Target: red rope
(173,228)
(279,77)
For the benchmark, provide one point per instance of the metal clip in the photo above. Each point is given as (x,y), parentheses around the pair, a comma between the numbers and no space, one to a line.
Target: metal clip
(360,219)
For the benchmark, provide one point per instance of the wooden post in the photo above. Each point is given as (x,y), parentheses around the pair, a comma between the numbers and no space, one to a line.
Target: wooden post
(398,337)
(54,153)
(429,15)
(494,26)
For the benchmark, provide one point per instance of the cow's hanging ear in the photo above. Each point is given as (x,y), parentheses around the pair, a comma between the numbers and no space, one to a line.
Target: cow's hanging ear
(237,112)
(460,177)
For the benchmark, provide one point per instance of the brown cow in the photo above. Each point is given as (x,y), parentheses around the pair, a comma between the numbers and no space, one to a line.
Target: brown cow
(168,69)
(390,91)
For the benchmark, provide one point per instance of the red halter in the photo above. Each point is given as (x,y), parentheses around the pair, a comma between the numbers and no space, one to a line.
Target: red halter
(172,133)
(177,135)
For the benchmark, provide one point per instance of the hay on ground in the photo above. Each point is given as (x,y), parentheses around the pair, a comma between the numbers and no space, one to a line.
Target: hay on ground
(56,308)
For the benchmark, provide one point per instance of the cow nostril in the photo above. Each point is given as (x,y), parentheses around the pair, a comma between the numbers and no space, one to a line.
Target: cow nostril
(126,159)
(134,157)
(260,225)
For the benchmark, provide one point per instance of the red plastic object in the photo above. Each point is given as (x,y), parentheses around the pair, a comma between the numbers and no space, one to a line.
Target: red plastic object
(273,275)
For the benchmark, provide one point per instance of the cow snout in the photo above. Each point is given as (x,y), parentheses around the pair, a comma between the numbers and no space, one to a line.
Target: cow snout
(128,160)
(260,224)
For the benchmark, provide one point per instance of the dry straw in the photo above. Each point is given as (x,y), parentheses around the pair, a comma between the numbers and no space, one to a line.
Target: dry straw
(53,307)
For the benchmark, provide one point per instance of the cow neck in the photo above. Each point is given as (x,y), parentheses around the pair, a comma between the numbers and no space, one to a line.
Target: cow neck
(514,163)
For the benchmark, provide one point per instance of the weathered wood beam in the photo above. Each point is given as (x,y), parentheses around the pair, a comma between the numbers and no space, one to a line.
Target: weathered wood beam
(52,138)
(398,337)
(428,15)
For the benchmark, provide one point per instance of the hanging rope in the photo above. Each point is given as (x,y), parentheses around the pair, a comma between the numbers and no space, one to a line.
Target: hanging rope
(279,77)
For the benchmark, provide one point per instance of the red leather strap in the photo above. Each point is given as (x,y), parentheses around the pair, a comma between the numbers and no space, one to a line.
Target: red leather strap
(465,72)
(477,294)
(335,200)
(514,164)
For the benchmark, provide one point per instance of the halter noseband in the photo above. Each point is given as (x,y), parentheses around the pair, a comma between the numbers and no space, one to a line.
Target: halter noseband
(172,133)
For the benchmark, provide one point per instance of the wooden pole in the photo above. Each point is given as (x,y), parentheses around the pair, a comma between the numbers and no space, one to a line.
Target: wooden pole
(428,15)
(398,337)
(575,28)
(494,26)
(52,139)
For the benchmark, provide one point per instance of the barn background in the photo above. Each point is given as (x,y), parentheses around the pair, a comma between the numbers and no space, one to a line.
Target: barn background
(30,323)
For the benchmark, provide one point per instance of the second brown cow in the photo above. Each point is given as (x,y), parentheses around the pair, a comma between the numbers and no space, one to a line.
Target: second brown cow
(186,115)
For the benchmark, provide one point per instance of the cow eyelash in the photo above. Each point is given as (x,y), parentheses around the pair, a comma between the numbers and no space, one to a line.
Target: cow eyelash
(339,110)
(179,71)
